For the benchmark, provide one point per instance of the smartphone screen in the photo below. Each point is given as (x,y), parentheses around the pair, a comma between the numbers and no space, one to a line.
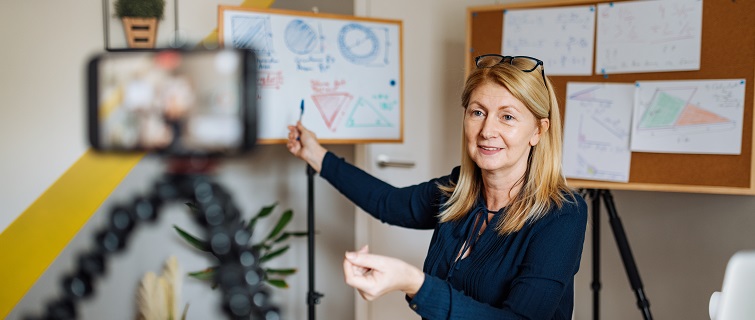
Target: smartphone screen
(174,102)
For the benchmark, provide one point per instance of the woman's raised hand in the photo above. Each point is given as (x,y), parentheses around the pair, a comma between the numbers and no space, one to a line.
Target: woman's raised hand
(303,144)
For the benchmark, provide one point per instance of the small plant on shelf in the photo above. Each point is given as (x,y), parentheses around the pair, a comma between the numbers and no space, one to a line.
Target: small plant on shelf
(140,20)
(140,8)
(272,246)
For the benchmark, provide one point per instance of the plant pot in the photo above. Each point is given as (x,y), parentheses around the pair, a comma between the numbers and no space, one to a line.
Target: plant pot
(140,32)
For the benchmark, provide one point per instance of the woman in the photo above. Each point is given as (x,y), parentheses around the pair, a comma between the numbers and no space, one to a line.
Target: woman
(508,231)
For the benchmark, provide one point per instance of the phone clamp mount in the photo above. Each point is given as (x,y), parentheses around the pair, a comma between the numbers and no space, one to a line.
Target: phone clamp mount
(239,275)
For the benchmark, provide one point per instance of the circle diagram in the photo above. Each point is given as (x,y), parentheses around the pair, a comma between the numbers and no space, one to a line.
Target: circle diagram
(358,43)
(300,37)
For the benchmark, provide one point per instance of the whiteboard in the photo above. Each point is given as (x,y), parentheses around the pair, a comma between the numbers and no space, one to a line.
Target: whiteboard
(346,71)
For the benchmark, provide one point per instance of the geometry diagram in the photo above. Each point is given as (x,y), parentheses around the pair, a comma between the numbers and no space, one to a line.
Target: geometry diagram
(365,114)
(252,33)
(588,95)
(596,131)
(301,38)
(362,45)
(670,108)
(332,107)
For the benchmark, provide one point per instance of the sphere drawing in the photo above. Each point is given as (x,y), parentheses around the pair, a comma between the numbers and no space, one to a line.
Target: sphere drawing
(300,37)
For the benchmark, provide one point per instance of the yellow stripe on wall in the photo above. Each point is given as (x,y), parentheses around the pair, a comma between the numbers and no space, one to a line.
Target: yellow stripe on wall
(33,241)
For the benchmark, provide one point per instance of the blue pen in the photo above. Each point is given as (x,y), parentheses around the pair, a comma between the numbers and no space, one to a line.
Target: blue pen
(301,113)
(302,109)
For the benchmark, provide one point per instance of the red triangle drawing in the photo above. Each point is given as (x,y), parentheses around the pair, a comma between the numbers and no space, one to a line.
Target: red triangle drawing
(332,107)
(692,115)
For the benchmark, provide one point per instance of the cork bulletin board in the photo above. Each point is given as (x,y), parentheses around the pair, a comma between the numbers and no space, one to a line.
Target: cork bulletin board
(727,52)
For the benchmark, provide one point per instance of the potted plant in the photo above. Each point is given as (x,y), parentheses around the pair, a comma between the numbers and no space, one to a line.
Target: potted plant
(140,20)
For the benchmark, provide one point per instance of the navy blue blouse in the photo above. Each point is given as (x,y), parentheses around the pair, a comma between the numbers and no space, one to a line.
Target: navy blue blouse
(528,274)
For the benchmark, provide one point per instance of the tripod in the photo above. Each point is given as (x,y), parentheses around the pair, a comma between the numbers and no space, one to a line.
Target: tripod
(626,253)
(313,297)
(239,275)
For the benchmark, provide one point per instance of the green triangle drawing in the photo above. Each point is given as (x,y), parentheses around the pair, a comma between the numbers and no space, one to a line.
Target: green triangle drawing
(365,114)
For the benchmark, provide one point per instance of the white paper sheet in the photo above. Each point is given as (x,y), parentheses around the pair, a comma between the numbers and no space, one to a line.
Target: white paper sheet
(561,37)
(596,131)
(649,36)
(693,116)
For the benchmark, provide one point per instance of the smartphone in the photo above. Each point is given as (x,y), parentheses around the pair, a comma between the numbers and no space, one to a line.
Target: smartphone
(173,102)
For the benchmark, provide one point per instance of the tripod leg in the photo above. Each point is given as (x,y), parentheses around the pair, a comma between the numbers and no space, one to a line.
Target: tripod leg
(313,297)
(626,255)
(595,197)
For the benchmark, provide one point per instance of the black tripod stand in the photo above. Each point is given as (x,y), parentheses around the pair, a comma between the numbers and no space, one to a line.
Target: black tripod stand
(239,274)
(626,253)
(313,297)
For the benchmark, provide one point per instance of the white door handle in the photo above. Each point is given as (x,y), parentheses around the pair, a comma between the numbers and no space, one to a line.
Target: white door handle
(385,161)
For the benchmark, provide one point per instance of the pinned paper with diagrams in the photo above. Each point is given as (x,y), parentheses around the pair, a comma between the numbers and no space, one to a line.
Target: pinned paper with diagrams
(596,131)
(693,116)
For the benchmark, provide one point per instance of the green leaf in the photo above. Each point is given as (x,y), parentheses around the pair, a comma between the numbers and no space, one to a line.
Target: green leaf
(261,247)
(282,272)
(193,209)
(273,254)
(264,212)
(287,234)
(282,237)
(282,222)
(278,283)
(192,240)
(206,274)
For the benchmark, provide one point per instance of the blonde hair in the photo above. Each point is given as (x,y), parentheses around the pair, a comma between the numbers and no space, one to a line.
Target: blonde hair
(543,184)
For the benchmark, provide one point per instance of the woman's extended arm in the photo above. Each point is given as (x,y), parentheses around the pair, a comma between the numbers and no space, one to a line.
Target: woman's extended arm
(411,207)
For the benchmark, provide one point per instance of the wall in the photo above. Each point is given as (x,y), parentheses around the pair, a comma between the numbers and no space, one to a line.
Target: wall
(42,98)
(42,134)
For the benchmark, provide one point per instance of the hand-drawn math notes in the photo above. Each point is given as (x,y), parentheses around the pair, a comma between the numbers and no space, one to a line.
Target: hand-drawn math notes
(691,116)
(648,36)
(347,70)
(597,130)
(561,37)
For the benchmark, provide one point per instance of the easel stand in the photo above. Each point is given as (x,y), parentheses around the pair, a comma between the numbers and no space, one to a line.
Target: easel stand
(626,253)
(239,275)
(313,297)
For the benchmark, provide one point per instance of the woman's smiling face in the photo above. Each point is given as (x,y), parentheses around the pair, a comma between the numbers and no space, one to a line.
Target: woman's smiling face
(500,130)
